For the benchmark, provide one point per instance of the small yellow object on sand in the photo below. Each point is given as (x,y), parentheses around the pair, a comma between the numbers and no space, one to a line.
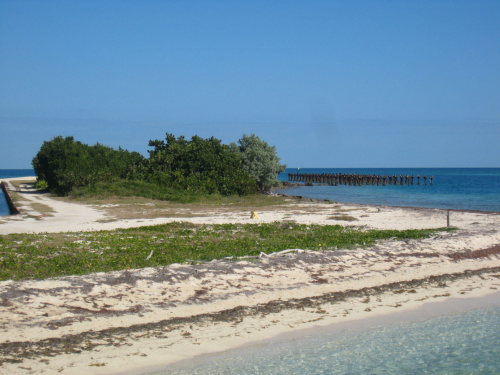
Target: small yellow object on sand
(254,215)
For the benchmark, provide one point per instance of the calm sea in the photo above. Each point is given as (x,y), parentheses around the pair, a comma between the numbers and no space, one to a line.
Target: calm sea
(459,343)
(11,173)
(453,188)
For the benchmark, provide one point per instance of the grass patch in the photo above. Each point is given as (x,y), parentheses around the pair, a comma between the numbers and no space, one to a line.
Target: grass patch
(16,197)
(39,256)
(132,188)
(18,183)
(119,208)
(41,208)
(105,190)
(342,218)
(139,192)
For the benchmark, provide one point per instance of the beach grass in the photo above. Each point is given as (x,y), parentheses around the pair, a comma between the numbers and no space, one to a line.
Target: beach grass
(39,256)
(253,200)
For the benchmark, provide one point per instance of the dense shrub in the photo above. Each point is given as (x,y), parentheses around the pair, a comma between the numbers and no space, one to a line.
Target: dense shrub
(66,164)
(177,168)
(204,165)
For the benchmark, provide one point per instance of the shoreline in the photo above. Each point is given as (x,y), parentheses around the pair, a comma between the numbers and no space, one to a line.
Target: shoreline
(145,345)
(280,192)
(145,319)
(301,197)
(426,311)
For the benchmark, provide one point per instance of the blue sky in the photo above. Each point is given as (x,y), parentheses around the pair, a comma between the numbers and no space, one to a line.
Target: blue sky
(329,83)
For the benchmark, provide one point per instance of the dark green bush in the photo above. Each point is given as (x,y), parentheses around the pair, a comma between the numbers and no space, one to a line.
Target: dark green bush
(66,164)
(175,168)
(200,165)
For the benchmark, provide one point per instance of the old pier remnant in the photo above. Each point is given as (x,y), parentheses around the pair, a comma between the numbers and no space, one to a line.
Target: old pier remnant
(355,179)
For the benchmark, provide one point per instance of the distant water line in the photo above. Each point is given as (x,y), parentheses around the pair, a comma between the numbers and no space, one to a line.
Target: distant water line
(453,188)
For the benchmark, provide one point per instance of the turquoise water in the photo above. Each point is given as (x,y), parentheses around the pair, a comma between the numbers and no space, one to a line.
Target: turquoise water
(460,343)
(11,173)
(453,188)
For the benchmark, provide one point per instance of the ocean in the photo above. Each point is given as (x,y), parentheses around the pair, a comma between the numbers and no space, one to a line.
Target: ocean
(11,173)
(453,188)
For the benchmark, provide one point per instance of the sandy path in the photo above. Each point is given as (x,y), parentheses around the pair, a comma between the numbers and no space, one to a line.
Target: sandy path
(61,216)
(104,323)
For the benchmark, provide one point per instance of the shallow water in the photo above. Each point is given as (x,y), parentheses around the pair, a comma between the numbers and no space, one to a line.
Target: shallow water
(460,343)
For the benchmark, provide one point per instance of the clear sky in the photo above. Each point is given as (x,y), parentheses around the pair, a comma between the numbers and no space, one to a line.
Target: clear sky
(329,83)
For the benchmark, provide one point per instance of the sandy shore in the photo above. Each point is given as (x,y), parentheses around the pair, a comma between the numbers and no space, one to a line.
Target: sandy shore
(136,320)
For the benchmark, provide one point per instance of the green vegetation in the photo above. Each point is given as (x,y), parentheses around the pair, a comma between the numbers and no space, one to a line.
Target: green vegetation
(39,256)
(41,185)
(64,164)
(260,161)
(342,217)
(200,165)
(177,169)
(103,190)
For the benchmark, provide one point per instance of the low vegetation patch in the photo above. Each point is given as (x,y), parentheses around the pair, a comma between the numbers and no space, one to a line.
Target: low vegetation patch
(342,217)
(41,208)
(135,188)
(38,256)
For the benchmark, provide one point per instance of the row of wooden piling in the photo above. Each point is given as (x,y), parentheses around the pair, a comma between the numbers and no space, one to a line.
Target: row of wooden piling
(355,179)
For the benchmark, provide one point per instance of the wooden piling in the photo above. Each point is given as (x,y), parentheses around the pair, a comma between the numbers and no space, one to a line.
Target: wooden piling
(353,179)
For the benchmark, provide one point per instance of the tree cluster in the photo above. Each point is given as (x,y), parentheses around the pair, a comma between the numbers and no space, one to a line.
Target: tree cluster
(203,165)
(196,166)
(66,164)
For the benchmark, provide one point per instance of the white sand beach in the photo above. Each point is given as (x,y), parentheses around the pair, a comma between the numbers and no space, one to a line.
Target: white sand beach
(134,321)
